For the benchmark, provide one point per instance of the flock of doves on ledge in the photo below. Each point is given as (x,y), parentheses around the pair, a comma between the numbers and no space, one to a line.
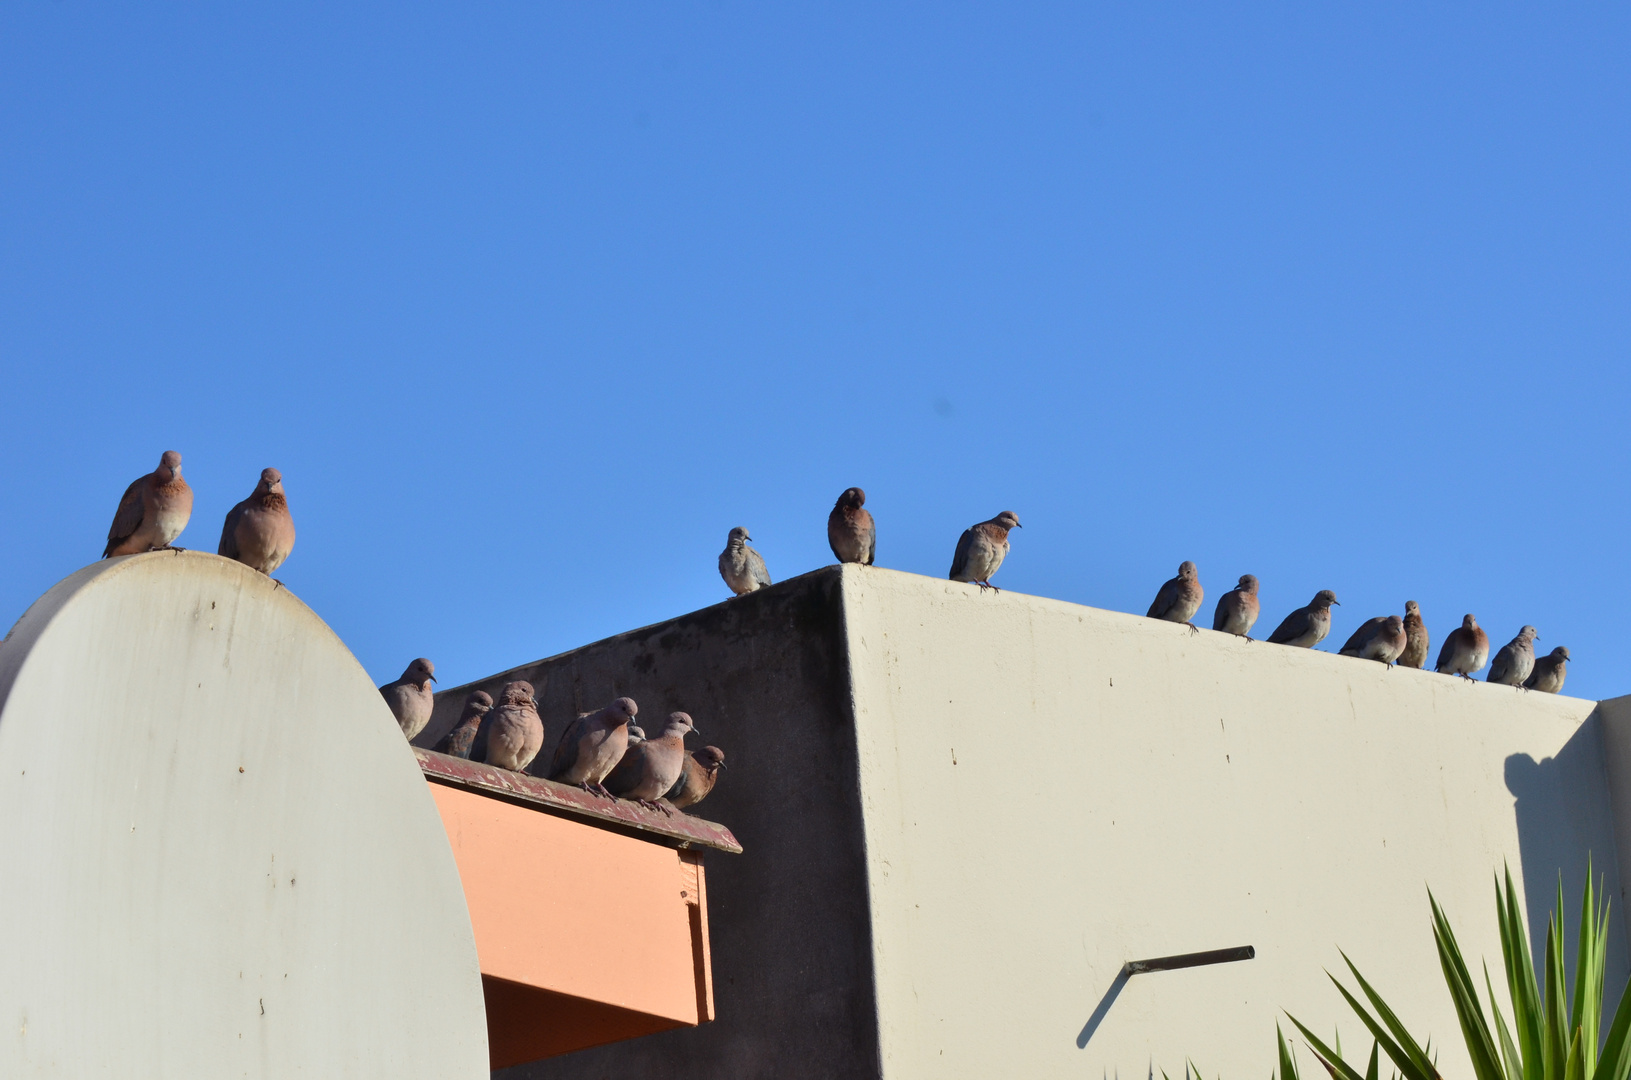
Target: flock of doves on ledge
(605,753)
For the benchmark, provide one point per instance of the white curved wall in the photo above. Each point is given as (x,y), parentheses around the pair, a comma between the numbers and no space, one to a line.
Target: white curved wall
(220,857)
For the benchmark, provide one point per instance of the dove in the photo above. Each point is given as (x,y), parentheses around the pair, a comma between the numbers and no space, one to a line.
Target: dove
(1515,661)
(512,734)
(1464,651)
(1549,671)
(1415,631)
(1382,638)
(981,549)
(636,734)
(850,531)
(651,767)
(1237,609)
(741,567)
(1307,626)
(259,531)
(697,777)
(411,698)
(592,745)
(458,742)
(1180,598)
(153,510)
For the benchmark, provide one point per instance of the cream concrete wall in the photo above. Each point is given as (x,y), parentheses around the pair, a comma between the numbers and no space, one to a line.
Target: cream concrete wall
(1050,790)
(220,857)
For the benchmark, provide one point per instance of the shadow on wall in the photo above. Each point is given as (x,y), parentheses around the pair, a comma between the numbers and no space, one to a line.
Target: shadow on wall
(1564,820)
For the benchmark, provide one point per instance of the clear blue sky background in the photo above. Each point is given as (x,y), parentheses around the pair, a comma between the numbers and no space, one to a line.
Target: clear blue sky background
(532,306)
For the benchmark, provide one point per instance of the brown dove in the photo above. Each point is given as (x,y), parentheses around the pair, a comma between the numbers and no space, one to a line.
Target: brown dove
(512,734)
(592,745)
(1515,661)
(1180,598)
(1382,638)
(1549,672)
(411,699)
(1464,651)
(850,530)
(1237,609)
(1307,626)
(259,531)
(1415,631)
(981,549)
(458,742)
(742,567)
(697,778)
(153,510)
(651,767)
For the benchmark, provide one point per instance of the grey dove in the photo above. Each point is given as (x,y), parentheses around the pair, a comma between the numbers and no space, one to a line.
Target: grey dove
(981,549)
(1307,626)
(411,699)
(512,734)
(459,741)
(592,746)
(1512,665)
(742,567)
(1549,672)
(636,733)
(1237,609)
(153,510)
(259,532)
(651,767)
(850,530)
(1415,632)
(697,778)
(1382,638)
(1180,598)
(1464,651)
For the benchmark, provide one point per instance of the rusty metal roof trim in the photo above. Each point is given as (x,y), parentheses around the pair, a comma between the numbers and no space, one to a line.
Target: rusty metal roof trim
(680,830)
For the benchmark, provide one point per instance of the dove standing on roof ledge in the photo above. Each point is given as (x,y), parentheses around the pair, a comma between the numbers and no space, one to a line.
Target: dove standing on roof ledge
(411,699)
(1307,626)
(1415,632)
(457,743)
(153,510)
(259,532)
(697,777)
(1512,665)
(1237,609)
(1180,598)
(850,531)
(741,567)
(651,767)
(513,733)
(1550,670)
(592,745)
(1382,638)
(1464,651)
(981,549)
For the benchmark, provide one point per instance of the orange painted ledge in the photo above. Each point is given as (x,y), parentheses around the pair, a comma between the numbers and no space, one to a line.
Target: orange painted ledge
(591,925)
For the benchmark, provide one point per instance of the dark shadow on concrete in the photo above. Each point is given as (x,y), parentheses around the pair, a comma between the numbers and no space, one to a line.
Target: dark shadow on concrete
(1564,819)
(1103,1010)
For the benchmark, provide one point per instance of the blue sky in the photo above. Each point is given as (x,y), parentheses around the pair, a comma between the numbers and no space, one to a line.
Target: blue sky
(532,305)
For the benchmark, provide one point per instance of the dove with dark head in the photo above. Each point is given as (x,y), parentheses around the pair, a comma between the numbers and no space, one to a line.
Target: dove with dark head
(1549,672)
(697,778)
(459,741)
(850,530)
(1415,632)
(651,767)
(1382,638)
(1307,626)
(411,699)
(741,567)
(592,745)
(1237,609)
(513,733)
(981,549)
(1464,651)
(259,532)
(153,510)
(1512,665)
(1180,598)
